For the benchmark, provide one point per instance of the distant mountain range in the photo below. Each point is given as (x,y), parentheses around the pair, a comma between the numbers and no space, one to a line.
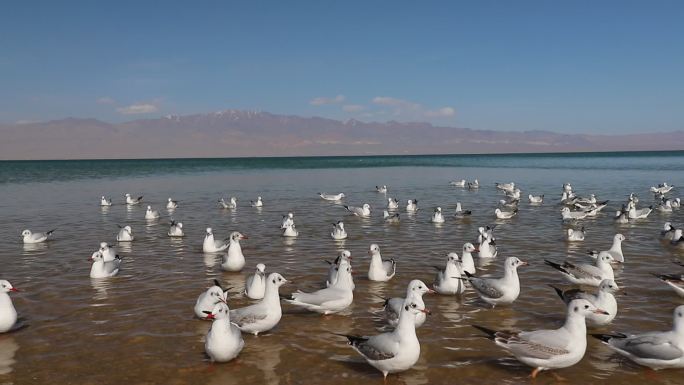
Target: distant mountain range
(237,133)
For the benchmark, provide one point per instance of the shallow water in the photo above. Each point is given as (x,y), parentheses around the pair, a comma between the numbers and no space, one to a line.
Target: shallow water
(139,326)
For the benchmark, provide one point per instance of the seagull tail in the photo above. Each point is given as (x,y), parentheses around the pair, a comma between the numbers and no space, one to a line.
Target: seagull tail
(51,231)
(607,337)
(352,338)
(491,334)
(558,291)
(555,265)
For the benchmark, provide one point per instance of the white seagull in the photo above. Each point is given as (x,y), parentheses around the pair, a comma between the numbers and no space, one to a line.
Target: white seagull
(150,214)
(206,301)
(343,256)
(125,234)
(604,299)
(265,314)
(467,262)
(102,269)
(105,202)
(394,351)
(133,201)
(330,300)
(288,220)
(338,232)
(635,213)
(392,203)
(175,229)
(224,340)
(412,205)
(549,349)
(505,214)
(574,235)
(8,314)
(437,216)
(668,231)
(496,291)
(258,203)
(568,215)
(460,213)
(212,246)
(381,189)
(255,285)
(363,211)
(615,250)
(229,205)
(234,260)
(390,218)
(414,294)
(331,197)
(585,274)
(458,183)
(108,253)
(290,231)
(171,204)
(656,350)
(380,270)
(536,198)
(447,280)
(30,238)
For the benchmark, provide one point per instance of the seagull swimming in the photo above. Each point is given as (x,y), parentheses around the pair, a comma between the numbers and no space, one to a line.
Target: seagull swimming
(656,350)
(392,203)
(549,349)
(31,238)
(255,285)
(668,231)
(8,314)
(460,213)
(585,274)
(633,213)
(663,188)
(223,341)
(568,215)
(288,220)
(363,211)
(265,314)
(390,218)
(458,183)
(230,205)
(338,232)
(125,234)
(505,214)
(474,185)
(102,269)
(394,351)
(675,281)
(615,250)
(150,214)
(467,262)
(412,205)
(105,202)
(175,229)
(536,198)
(437,216)
(234,260)
(290,231)
(447,280)
(258,203)
(414,294)
(133,201)
(206,301)
(505,186)
(604,299)
(503,290)
(575,235)
(171,204)
(381,189)
(343,256)
(330,300)
(380,270)
(212,246)
(487,249)
(108,253)
(331,197)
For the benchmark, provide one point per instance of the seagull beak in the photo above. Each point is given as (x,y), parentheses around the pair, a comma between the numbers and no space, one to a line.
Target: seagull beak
(244,237)
(601,311)
(210,316)
(477,250)
(523,263)
(426,311)
(14,289)
(430,291)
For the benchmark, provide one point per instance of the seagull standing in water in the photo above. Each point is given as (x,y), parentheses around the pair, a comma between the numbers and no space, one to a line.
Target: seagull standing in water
(176,230)
(330,300)
(224,340)
(496,291)
(338,232)
(412,205)
(549,349)
(212,246)
(105,202)
(437,216)
(448,279)
(604,299)
(171,204)
(392,203)
(230,205)
(206,301)
(150,214)
(394,351)
(615,250)
(288,220)
(102,269)
(8,314)
(255,285)
(133,201)
(265,314)
(380,270)
(414,294)
(575,235)
(332,197)
(585,274)
(234,260)
(258,203)
(363,211)
(656,350)
(125,234)
(460,213)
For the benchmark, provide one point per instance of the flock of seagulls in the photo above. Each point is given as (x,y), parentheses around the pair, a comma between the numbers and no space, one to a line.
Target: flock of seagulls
(399,349)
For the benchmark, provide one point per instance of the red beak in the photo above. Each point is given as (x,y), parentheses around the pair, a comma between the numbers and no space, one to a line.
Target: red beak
(210,316)
(477,250)
(244,237)
(426,311)
(430,291)
(14,289)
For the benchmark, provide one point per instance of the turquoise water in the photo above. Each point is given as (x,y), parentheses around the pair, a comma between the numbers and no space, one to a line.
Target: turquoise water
(60,170)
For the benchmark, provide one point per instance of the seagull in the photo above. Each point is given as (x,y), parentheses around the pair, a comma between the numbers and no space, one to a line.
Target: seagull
(665,206)
(343,256)
(412,205)
(505,186)
(474,185)
(677,238)
(437,216)
(394,351)
(585,274)
(604,299)
(668,231)
(212,246)
(224,340)
(458,183)
(662,188)
(414,294)
(390,218)
(549,349)
(381,189)
(575,235)
(633,213)
(150,214)
(332,197)
(675,281)
(108,253)
(510,203)
(234,260)
(363,211)
(287,220)
(380,270)
(338,232)
(485,232)
(255,285)
(467,263)
(8,314)
(513,195)
(447,280)
(30,238)
(392,203)
(676,203)
(622,215)
(125,234)
(586,201)
(615,250)
(258,203)
(105,202)
(656,350)
(487,249)
(231,205)
(330,300)
(505,214)
(460,213)
(572,215)
(175,229)
(290,231)
(171,204)
(206,301)
(265,314)
(102,269)
(133,201)
(503,290)
(536,198)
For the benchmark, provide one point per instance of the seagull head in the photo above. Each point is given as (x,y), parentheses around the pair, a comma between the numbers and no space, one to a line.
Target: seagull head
(220,311)
(237,236)
(415,309)
(260,268)
(584,308)
(26,233)
(609,286)
(469,247)
(6,286)
(418,287)
(277,279)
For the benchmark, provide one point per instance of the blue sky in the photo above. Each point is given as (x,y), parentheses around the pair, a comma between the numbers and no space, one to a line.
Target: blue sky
(576,66)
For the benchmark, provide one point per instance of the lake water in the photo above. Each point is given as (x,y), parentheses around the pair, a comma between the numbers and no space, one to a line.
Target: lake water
(139,327)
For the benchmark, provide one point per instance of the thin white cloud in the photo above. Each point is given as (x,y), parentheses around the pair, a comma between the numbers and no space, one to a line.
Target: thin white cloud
(353,108)
(394,102)
(105,100)
(142,108)
(322,100)
(407,109)
(444,112)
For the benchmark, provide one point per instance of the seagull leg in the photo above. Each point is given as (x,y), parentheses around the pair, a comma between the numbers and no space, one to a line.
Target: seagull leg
(558,377)
(534,373)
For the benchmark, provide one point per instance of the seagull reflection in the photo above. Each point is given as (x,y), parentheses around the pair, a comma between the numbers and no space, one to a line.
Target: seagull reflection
(101,285)
(124,247)
(268,353)
(210,259)
(289,241)
(8,348)
(35,247)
